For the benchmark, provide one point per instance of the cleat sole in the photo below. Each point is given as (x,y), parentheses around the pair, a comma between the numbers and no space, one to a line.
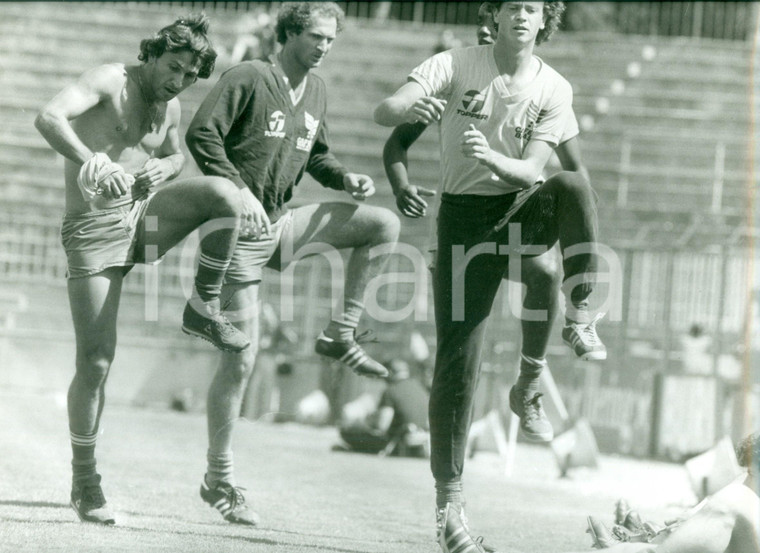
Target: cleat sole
(191,332)
(594,356)
(588,356)
(537,438)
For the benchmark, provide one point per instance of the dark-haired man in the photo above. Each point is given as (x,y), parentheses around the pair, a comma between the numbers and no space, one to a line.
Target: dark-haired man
(502,111)
(263,126)
(540,274)
(117,130)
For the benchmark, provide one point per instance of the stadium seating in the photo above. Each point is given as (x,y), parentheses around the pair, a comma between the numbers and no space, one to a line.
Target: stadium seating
(659,110)
(665,125)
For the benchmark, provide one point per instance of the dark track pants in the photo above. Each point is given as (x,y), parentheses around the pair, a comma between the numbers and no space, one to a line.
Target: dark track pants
(467,276)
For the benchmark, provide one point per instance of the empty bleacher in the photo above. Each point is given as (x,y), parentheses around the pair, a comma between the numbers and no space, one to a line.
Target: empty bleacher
(666,122)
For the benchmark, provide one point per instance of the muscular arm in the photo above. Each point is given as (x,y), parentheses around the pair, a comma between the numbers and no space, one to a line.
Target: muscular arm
(171,150)
(54,120)
(409,104)
(408,197)
(395,154)
(517,172)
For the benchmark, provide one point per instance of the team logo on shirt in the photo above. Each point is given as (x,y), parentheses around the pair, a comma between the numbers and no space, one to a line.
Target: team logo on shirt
(473,102)
(312,125)
(276,125)
(534,116)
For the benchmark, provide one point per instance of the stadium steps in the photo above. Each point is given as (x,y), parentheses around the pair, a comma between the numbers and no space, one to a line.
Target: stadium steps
(356,83)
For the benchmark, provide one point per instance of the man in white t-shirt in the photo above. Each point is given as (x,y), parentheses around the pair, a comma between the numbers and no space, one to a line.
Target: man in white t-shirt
(502,111)
(540,274)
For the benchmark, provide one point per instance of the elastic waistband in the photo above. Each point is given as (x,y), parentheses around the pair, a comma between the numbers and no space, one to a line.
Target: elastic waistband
(477,199)
(486,208)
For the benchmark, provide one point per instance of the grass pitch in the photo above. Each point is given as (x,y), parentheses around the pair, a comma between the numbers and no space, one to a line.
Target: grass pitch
(309,498)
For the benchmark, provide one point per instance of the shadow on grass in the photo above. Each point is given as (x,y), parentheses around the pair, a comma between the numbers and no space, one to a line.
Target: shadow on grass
(252,540)
(34,504)
(218,524)
(212,536)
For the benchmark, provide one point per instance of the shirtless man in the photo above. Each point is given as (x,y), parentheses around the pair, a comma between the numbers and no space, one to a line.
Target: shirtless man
(117,128)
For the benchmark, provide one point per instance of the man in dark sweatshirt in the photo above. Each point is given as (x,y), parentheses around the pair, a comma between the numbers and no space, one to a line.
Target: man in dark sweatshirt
(262,126)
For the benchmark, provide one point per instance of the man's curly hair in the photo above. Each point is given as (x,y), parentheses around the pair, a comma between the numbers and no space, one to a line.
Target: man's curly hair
(186,34)
(748,452)
(297,16)
(553,11)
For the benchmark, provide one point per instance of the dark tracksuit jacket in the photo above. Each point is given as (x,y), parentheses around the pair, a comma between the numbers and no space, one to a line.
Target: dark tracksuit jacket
(248,130)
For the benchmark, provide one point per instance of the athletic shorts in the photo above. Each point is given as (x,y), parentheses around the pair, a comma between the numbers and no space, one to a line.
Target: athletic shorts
(97,240)
(252,255)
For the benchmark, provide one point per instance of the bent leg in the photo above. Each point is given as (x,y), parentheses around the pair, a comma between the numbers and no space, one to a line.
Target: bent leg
(211,204)
(344,225)
(184,205)
(577,228)
(564,209)
(541,276)
(371,233)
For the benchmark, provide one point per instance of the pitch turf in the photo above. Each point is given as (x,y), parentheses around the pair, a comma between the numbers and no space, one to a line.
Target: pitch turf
(309,498)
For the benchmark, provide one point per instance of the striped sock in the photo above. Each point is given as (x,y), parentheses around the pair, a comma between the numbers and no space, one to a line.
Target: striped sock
(343,328)
(210,275)
(448,492)
(530,370)
(83,463)
(220,468)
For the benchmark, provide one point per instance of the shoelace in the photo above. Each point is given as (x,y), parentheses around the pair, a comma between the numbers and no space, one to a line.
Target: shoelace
(533,407)
(223,325)
(588,332)
(479,543)
(235,495)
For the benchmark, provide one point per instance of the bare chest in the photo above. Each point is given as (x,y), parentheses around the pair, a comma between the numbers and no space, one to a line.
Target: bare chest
(124,125)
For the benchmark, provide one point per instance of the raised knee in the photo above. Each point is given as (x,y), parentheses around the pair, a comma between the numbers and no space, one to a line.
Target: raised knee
(224,197)
(387,226)
(574,183)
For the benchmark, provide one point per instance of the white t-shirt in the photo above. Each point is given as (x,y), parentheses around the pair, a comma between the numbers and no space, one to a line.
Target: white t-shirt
(476,94)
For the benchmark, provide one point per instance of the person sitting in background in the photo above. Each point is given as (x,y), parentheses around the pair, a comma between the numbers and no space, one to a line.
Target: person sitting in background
(400,422)
(446,41)
(725,522)
(256,38)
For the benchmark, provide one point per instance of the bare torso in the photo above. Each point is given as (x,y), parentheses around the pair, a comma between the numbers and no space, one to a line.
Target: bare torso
(122,127)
